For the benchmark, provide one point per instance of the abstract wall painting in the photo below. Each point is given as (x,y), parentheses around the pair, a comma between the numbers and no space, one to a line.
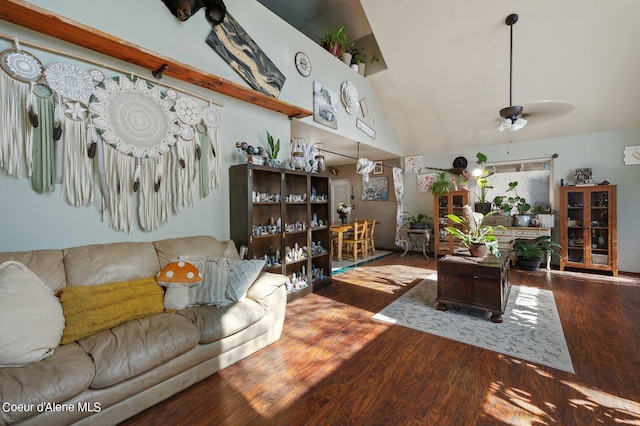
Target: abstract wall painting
(376,189)
(242,54)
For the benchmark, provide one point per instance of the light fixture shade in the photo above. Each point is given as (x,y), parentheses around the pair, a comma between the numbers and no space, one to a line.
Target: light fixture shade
(478,171)
(518,124)
(504,125)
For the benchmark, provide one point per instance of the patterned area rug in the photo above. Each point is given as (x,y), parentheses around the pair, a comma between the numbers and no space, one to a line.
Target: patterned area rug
(531,329)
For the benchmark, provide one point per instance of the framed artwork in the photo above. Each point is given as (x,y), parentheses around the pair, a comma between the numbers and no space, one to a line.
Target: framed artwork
(378,169)
(413,164)
(631,155)
(425,181)
(376,189)
(325,105)
(364,107)
(368,130)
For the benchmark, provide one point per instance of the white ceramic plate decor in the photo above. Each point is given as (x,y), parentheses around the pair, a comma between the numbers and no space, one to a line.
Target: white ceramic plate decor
(349,96)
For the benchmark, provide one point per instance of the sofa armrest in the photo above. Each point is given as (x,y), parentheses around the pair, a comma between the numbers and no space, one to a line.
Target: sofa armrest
(264,286)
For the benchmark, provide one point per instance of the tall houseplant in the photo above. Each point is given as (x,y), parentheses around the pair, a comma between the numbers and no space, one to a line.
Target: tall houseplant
(509,203)
(482,184)
(478,238)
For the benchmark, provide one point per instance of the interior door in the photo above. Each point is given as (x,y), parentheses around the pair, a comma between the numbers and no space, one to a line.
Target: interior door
(340,193)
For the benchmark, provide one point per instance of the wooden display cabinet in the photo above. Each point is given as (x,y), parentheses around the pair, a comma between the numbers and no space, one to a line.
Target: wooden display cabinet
(589,228)
(451,203)
(283,216)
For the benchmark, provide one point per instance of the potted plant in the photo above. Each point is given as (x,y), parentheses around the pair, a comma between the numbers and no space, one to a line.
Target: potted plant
(530,254)
(274,147)
(440,185)
(482,184)
(343,212)
(508,203)
(420,221)
(478,238)
(334,41)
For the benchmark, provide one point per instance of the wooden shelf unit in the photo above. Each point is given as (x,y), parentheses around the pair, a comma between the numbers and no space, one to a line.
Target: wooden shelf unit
(43,21)
(246,214)
(443,205)
(589,228)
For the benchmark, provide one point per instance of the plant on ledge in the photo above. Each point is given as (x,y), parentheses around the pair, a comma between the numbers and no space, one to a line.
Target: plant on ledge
(478,238)
(530,254)
(420,221)
(334,41)
(508,203)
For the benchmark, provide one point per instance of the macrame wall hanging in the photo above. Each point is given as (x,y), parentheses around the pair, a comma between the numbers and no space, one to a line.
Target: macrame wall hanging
(147,150)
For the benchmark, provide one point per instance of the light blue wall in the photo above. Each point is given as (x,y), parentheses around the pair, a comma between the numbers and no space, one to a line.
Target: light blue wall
(602,152)
(29,220)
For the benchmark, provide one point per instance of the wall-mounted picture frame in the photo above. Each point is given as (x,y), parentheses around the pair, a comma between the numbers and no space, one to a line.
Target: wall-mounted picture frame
(378,169)
(376,189)
(325,105)
(368,130)
(413,164)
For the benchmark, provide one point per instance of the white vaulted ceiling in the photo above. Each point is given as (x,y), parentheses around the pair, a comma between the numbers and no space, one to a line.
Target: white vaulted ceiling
(576,65)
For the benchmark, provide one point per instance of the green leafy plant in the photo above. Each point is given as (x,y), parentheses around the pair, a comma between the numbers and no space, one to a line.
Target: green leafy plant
(357,54)
(472,231)
(507,203)
(416,220)
(334,41)
(537,249)
(482,181)
(440,185)
(274,148)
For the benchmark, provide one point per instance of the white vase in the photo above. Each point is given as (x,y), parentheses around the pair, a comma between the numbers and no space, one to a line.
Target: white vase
(354,67)
(346,58)
(361,68)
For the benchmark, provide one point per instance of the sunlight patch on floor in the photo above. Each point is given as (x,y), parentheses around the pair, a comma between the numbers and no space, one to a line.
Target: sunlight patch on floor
(608,406)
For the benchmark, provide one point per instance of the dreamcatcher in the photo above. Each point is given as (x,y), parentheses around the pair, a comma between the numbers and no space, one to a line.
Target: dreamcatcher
(73,87)
(138,127)
(210,143)
(21,71)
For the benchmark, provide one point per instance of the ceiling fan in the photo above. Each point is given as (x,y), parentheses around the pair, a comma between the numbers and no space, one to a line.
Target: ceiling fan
(512,114)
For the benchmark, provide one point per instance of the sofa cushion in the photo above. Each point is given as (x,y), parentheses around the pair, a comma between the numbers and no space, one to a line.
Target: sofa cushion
(89,309)
(56,379)
(197,247)
(30,316)
(48,265)
(110,263)
(241,275)
(218,322)
(214,282)
(264,286)
(138,346)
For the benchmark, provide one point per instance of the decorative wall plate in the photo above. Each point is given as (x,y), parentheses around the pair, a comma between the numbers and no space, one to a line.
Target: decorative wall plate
(134,117)
(21,65)
(349,96)
(69,81)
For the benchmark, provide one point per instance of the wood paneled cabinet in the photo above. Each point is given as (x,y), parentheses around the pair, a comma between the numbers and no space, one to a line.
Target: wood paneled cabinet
(451,203)
(589,228)
(283,216)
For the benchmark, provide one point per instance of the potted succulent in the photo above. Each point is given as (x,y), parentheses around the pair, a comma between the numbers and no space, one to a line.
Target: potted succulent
(420,221)
(530,254)
(508,203)
(478,238)
(440,185)
(334,41)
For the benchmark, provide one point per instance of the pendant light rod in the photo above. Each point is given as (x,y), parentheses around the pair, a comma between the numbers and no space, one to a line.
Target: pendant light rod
(511,19)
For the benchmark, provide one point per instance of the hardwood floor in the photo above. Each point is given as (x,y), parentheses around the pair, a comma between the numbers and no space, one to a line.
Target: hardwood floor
(335,366)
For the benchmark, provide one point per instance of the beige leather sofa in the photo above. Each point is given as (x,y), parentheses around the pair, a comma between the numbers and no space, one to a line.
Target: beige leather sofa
(112,375)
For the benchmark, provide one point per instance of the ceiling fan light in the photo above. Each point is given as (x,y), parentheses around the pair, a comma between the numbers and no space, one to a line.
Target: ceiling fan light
(518,124)
(504,125)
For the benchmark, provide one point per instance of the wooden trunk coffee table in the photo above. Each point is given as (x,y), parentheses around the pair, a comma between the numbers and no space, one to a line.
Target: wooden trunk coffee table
(474,283)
